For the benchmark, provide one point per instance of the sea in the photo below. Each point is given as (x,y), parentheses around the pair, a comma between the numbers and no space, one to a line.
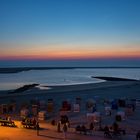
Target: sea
(53,77)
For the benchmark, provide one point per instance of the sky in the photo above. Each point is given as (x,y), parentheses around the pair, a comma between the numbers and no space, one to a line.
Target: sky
(69,33)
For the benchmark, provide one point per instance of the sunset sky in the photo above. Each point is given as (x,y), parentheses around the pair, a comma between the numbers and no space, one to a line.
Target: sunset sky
(68,30)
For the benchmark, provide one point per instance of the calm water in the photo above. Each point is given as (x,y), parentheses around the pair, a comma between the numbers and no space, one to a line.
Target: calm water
(63,76)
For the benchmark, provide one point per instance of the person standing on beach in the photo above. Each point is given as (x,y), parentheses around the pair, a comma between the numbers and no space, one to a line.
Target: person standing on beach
(59,126)
(65,131)
(37,128)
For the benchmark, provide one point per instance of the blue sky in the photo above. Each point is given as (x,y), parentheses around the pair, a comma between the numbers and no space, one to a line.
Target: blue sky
(36,28)
(63,20)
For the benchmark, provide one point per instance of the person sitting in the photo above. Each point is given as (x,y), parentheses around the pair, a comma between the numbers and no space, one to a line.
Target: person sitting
(91,127)
(78,128)
(68,123)
(107,132)
(23,120)
(53,122)
(121,131)
(83,129)
(27,122)
(34,122)
(10,122)
(6,118)
(115,128)
(9,119)
(30,121)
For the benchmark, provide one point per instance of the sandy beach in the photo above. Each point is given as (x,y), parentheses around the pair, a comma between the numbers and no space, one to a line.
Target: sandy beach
(111,89)
(107,90)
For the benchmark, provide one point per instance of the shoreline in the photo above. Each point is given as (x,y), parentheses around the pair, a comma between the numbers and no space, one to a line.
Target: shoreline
(33,90)
(104,79)
(5,70)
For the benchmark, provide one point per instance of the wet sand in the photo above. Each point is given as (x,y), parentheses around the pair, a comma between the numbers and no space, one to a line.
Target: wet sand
(107,89)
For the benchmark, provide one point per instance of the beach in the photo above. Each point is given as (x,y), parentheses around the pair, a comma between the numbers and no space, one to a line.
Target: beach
(111,89)
(108,90)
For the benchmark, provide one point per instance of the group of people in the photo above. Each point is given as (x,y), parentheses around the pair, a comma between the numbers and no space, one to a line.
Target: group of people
(7,121)
(64,128)
(82,128)
(28,122)
(63,125)
(8,118)
(113,130)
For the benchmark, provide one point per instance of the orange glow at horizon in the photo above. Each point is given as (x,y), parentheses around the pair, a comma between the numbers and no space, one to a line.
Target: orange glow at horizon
(68,52)
(73,55)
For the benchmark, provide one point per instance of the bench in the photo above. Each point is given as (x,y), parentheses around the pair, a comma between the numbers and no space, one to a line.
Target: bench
(28,125)
(7,123)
